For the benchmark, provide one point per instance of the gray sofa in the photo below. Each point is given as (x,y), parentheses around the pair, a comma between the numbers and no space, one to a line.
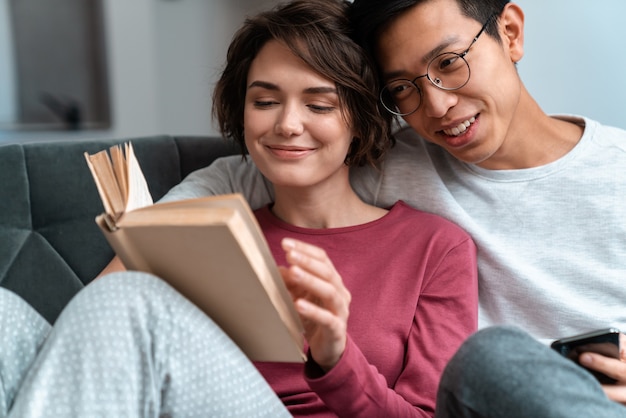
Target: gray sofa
(50,246)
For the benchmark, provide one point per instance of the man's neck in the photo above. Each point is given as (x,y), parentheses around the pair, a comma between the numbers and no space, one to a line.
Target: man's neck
(534,139)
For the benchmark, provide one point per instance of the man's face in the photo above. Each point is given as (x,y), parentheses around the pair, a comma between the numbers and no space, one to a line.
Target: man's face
(473,122)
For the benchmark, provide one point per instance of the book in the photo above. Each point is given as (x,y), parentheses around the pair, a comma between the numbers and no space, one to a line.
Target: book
(210,249)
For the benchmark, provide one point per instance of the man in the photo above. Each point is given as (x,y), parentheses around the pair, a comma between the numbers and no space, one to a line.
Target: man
(541,196)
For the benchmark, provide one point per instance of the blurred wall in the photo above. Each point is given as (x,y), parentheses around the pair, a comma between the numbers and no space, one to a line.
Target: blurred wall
(575,57)
(7,73)
(164,55)
(164,58)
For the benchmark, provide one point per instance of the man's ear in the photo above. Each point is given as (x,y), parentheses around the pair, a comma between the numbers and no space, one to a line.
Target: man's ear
(512,31)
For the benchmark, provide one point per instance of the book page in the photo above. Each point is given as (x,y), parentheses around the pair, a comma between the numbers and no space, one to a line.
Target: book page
(119,168)
(106,183)
(138,193)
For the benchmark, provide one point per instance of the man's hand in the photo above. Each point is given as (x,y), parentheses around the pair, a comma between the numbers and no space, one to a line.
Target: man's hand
(612,368)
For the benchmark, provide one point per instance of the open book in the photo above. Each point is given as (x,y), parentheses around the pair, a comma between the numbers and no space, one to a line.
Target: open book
(210,249)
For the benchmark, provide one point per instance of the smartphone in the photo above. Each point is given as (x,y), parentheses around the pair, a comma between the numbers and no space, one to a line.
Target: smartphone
(603,341)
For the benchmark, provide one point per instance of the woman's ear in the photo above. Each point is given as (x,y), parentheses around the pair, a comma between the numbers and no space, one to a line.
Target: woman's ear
(349,160)
(512,31)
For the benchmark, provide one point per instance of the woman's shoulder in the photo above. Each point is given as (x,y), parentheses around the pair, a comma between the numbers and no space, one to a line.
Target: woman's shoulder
(427,223)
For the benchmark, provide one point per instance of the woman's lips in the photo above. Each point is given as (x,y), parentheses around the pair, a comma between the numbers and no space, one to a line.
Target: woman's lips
(290,152)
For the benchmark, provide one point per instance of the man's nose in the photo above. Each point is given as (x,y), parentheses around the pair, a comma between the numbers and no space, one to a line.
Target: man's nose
(436,102)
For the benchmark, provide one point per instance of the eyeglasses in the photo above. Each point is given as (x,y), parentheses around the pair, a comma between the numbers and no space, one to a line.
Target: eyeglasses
(447,71)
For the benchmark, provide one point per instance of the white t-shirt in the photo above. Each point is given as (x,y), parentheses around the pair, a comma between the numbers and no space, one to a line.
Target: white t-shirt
(551,240)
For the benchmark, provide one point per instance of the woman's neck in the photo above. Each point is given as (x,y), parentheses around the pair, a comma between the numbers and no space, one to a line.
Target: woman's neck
(333,207)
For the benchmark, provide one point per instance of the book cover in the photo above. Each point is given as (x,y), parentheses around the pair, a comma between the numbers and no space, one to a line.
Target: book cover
(210,249)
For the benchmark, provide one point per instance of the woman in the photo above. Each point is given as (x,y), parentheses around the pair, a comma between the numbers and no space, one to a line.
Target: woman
(386,295)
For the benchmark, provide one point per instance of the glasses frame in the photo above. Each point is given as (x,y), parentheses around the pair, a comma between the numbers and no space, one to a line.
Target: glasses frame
(461,55)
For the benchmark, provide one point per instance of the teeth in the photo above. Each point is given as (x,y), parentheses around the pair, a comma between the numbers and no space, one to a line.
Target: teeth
(460,128)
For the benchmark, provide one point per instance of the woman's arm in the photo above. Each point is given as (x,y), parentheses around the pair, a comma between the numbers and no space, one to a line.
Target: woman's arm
(444,316)
(114,265)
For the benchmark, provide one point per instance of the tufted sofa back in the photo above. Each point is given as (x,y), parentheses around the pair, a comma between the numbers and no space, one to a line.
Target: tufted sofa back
(50,246)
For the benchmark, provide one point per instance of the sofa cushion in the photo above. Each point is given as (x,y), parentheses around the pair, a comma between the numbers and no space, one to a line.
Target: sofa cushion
(50,246)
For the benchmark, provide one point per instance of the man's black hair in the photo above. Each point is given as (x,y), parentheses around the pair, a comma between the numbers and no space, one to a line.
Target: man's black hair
(370,17)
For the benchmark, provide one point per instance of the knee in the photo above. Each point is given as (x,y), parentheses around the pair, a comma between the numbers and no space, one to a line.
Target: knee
(122,287)
(491,342)
(487,354)
(21,326)
(116,292)
(10,302)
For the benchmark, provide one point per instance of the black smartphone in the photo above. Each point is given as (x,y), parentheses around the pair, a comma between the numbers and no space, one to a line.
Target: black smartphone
(603,341)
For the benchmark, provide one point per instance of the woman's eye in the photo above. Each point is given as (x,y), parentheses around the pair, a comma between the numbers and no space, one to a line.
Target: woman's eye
(264,103)
(321,109)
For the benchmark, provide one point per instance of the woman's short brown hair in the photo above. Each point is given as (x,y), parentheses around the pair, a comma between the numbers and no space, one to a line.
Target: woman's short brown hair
(318,32)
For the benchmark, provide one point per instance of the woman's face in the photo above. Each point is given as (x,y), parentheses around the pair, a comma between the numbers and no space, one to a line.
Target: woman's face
(294,127)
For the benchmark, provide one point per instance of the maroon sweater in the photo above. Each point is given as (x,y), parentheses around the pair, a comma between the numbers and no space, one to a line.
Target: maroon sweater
(413,280)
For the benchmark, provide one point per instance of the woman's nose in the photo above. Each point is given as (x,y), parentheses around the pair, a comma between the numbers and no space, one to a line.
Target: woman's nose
(289,122)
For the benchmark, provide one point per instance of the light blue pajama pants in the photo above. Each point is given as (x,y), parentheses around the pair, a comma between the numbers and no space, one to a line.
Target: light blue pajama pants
(22,332)
(128,345)
(503,372)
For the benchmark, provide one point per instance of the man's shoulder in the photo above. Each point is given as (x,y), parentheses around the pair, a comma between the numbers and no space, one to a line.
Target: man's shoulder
(406,135)
(597,131)
(225,175)
(409,143)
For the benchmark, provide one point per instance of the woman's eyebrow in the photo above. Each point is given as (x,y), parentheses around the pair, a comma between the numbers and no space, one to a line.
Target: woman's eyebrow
(309,90)
(264,85)
(320,90)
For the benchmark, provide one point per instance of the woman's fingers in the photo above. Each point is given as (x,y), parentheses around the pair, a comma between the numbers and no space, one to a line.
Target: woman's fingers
(312,260)
(321,299)
(311,270)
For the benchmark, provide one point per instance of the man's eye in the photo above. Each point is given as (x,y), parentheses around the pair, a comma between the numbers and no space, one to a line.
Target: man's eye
(448,62)
(399,88)
(400,91)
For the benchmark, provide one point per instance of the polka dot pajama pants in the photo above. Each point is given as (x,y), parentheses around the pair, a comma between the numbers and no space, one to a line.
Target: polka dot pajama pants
(127,345)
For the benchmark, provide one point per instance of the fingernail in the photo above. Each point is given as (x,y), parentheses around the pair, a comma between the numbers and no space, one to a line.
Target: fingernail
(295,256)
(296,273)
(302,306)
(288,243)
(585,359)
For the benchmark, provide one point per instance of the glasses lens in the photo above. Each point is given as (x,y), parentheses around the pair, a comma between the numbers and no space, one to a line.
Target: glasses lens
(400,97)
(449,71)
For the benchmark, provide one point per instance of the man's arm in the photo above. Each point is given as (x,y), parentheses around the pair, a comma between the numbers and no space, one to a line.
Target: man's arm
(225,175)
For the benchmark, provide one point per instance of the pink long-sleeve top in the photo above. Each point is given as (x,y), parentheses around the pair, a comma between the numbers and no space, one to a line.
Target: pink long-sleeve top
(413,280)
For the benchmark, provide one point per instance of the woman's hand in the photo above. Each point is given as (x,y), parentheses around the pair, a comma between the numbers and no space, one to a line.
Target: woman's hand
(320,298)
(612,368)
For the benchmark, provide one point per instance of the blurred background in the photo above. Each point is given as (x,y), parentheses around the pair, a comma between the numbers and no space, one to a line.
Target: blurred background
(124,68)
